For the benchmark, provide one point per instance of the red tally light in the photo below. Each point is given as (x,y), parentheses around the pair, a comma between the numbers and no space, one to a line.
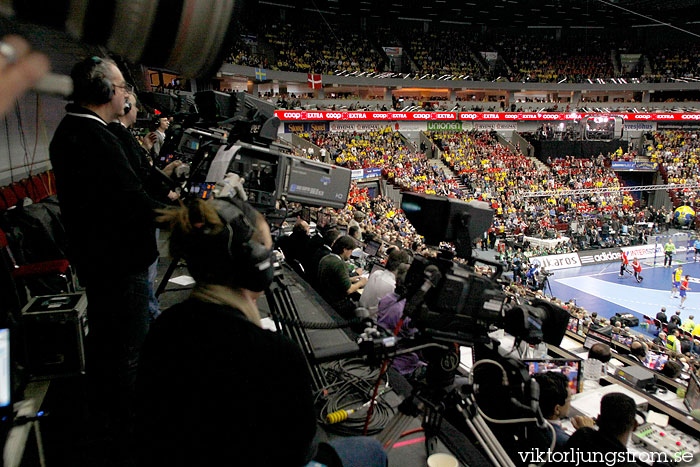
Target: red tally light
(157,112)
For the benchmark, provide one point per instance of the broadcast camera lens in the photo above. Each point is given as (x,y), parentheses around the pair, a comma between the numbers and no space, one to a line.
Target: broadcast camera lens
(539,321)
(191,37)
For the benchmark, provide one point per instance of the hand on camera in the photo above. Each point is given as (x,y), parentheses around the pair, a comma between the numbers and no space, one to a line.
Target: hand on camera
(170,168)
(20,69)
(231,187)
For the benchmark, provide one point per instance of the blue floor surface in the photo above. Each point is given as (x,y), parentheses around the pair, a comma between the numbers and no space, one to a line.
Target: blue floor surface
(599,288)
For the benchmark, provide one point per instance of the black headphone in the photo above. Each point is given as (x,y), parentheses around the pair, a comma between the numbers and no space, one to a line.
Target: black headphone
(155,121)
(90,86)
(233,253)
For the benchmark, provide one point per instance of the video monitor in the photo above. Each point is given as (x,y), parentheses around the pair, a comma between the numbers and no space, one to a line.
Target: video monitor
(568,367)
(692,394)
(620,339)
(573,325)
(5,369)
(594,337)
(202,190)
(189,144)
(655,361)
(372,248)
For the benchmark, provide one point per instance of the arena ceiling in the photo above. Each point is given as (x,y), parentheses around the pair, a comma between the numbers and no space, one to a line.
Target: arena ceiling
(495,13)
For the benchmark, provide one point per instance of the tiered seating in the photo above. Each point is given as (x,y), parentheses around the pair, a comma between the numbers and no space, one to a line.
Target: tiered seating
(385,149)
(677,153)
(311,50)
(493,172)
(443,53)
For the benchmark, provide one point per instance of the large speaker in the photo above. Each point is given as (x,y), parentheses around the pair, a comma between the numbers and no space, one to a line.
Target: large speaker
(214,105)
(55,327)
(165,103)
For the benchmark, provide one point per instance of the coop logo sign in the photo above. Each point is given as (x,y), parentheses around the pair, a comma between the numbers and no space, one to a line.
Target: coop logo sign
(554,262)
(690,117)
(292,115)
(642,117)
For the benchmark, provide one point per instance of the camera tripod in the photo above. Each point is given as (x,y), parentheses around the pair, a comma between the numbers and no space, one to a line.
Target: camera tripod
(435,426)
(546,286)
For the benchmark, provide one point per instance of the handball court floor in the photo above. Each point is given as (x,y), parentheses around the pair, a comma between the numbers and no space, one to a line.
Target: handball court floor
(599,288)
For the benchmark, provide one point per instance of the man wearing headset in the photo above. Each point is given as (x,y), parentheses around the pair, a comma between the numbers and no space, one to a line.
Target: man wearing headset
(111,238)
(214,388)
(160,125)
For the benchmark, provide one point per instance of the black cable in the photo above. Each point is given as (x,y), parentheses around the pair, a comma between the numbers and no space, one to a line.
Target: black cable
(350,386)
(22,136)
(316,325)
(9,152)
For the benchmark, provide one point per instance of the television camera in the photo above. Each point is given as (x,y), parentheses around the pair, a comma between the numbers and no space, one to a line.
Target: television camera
(454,305)
(237,133)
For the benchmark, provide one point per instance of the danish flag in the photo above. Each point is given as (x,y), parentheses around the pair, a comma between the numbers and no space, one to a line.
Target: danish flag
(314,81)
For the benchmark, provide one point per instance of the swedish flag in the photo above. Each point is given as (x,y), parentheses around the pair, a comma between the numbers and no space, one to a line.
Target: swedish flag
(260,74)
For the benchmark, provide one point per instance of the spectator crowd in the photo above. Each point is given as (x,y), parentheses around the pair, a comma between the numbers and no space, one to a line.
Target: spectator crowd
(460,53)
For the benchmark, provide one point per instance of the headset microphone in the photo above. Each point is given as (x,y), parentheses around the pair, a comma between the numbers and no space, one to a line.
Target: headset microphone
(127,107)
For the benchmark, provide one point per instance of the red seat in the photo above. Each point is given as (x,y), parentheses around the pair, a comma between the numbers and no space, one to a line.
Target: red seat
(19,190)
(9,196)
(41,191)
(43,268)
(56,267)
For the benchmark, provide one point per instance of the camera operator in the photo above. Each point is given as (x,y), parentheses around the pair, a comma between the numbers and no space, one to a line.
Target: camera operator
(542,277)
(159,125)
(111,237)
(532,276)
(155,181)
(213,344)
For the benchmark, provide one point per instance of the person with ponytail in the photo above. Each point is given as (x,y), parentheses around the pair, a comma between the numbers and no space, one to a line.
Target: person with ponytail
(214,388)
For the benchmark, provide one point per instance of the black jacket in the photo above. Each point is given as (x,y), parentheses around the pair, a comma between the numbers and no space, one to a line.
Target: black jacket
(154,183)
(107,214)
(213,386)
(589,440)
